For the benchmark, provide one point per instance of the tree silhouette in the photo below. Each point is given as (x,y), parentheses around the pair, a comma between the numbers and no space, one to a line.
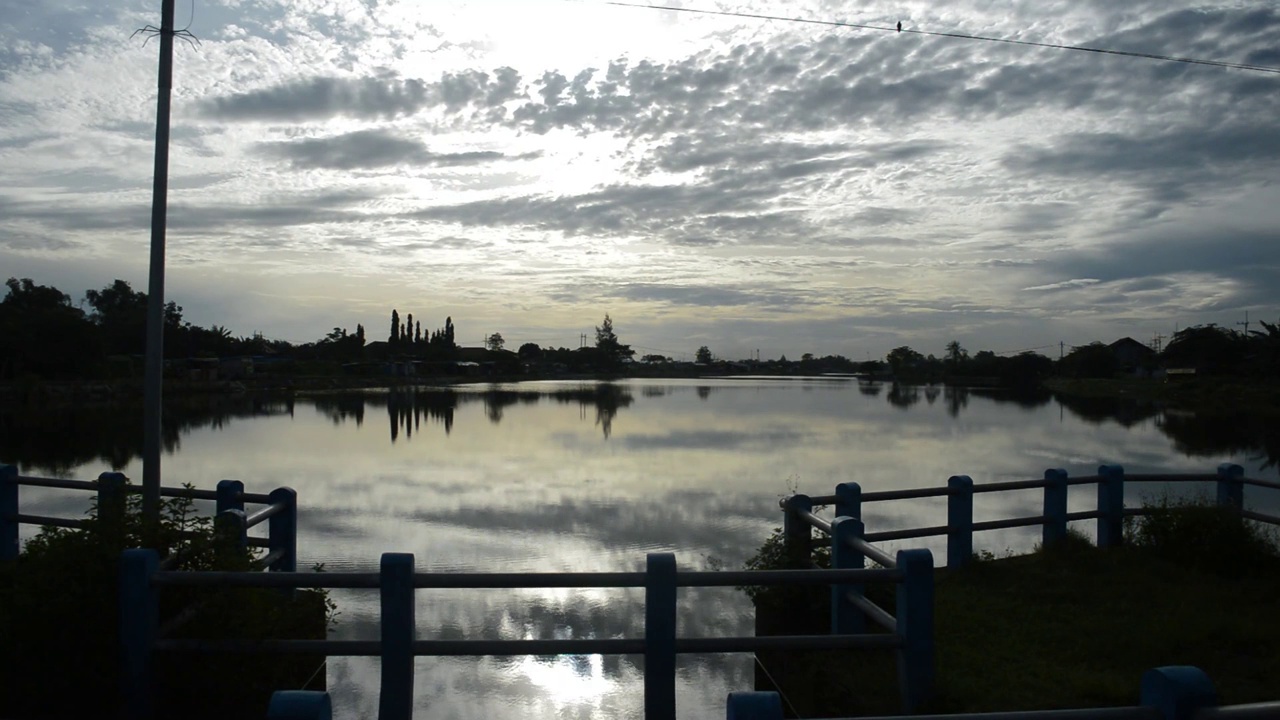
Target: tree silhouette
(611,351)
(394,338)
(494,341)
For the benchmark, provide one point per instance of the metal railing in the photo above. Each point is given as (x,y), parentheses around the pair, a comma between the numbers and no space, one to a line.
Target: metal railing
(960,489)
(280,513)
(142,580)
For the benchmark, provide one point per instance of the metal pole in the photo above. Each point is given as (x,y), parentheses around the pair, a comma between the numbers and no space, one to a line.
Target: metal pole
(155,288)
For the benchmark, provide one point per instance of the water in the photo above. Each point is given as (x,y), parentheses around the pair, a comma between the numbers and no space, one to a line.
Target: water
(551,476)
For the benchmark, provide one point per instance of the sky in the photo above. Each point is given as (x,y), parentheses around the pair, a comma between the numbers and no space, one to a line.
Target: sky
(526,167)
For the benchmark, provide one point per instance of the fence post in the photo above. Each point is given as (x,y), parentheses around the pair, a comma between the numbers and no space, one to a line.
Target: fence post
(846,618)
(798,533)
(300,705)
(660,636)
(915,627)
(959,521)
(1178,692)
(111,503)
(230,496)
(1055,507)
(849,500)
(231,531)
(750,705)
(1110,506)
(396,581)
(139,623)
(1231,486)
(8,509)
(282,530)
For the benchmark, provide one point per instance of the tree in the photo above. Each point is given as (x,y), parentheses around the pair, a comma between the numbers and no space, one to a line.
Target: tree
(903,358)
(955,353)
(529,351)
(395,327)
(612,351)
(494,341)
(703,355)
(121,313)
(42,333)
(655,358)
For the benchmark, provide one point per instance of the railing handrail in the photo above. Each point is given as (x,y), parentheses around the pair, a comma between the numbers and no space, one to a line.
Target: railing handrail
(960,491)
(93,485)
(911,633)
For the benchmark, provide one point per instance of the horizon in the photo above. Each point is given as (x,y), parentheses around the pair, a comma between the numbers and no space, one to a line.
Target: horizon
(731,182)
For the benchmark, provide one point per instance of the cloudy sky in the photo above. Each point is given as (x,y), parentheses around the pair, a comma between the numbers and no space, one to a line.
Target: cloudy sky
(527,166)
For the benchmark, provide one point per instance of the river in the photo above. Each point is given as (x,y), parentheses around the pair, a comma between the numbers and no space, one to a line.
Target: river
(558,476)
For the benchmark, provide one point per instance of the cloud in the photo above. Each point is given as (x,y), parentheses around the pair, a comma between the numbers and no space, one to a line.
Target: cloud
(380,96)
(367,149)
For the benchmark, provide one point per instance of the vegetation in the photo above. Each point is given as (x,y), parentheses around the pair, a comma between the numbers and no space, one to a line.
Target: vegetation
(59,618)
(1074,625)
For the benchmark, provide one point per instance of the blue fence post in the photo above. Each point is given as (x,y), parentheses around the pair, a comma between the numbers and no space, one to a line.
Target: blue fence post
(660,636)
(300,705)
(8,509)
(111,501)
(751,705)
(139,624)
(396,701)
(230,496)
(1231,486)
(915,627)
(849,500)
(231,530)
(282,530)
(1110,506)
(1178,692)
(846,618)
(959,521)
(797,533)
(1055,507)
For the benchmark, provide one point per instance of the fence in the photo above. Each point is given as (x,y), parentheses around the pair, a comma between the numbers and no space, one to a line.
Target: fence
(280,513)
(854,543)
(142,580)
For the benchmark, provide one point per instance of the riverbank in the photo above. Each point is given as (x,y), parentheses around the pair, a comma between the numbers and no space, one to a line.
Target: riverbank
(1210,394)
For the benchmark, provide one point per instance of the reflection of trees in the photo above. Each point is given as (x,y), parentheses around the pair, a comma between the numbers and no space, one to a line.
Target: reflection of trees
(406,408)
(341,407)
(57,439)
(957,399)
(1097,410)
(606,397)
(931,393)
(870,388)
(704,392)
(903,396)
(1218,435)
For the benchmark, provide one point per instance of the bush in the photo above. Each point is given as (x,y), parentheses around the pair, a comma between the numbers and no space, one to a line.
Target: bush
(1203,536)
(59,619)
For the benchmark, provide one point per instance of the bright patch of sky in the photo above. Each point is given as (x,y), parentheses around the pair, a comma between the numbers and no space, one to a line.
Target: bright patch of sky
(744,184)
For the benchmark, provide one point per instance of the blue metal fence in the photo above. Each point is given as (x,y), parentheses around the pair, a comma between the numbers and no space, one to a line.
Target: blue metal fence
(1110,513)
(280,513)
(142,580)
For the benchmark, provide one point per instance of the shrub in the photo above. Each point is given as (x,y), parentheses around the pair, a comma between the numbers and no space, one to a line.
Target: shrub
(1207,537)
(59,618)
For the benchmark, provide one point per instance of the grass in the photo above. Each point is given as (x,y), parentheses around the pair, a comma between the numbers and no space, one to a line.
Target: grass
(1076,626)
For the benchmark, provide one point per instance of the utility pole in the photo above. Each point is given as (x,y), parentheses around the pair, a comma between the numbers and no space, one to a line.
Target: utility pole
(155,287)
(1155,342)
(1061,348)
(1245,323)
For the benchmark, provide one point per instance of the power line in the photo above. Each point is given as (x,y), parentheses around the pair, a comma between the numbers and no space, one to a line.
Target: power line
(961,36)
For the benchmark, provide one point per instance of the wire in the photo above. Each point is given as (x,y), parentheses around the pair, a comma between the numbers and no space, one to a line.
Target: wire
(962,36)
